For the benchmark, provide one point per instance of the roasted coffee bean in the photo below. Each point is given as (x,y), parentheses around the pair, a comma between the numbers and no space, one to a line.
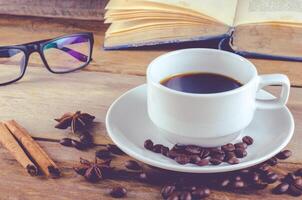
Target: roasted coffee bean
(148,144)
(247,140)
(272,161)
(185,196)
(174,196)
(229,155)
(238,184)
(192,149)
(263,169)
(157,148)
(103,154)
(298,172)
(281,188)
(189,188)
(294,191)
(259,185)
(215,161)
(143,177)
(66,142)
(204,153)
(133,165)
(271,178)
(228,147)
(237,178)
(218,157)
(182,159)
(118,192)
(233,161)
(78,145)
(245,172)
(225,183)
(114,149)
(167,190)
(254,177)
(298,183)
(284,154)
(289,178)
(240,153)
(201,192)
(179,147)
(216,151)
(172,154)
(194,159)
(240,145)
(164,150)
(203,162)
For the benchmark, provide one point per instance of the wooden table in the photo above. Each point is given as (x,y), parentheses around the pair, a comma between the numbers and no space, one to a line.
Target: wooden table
(41,96)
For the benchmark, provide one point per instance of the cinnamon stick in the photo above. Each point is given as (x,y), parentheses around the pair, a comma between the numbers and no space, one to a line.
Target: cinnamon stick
(45,163)
(12,145)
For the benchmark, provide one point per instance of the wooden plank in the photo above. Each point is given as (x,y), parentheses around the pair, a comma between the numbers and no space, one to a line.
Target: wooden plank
(16,30)
(41,96)
(16,184)
(87,10)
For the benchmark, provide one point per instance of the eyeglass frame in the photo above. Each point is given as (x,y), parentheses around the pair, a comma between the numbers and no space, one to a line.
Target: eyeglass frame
(38,46)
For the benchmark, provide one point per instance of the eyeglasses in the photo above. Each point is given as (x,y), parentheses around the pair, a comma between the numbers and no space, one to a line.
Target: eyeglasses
(60,55)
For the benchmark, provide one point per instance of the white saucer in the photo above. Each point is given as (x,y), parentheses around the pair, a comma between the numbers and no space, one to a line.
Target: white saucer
(129,126)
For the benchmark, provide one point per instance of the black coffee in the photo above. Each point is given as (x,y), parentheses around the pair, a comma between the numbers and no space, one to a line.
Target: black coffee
(201,83)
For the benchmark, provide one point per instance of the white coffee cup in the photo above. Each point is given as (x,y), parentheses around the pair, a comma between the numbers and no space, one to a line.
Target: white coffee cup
(207,119)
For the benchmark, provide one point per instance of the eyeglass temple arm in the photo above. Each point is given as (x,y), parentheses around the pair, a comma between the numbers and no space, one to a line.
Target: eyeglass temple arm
(77,55)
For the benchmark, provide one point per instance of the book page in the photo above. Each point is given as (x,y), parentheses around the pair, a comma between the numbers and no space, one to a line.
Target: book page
(222,11)
(263,11)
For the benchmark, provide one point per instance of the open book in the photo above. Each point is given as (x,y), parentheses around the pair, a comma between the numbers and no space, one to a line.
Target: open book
(271,27)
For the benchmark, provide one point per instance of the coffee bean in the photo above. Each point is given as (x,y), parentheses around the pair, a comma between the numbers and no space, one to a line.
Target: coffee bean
(238,184)
(133,165)
(271,178)
(240,145)
(281,188)
(294,191)
(118,192)
(66,142)
(114,149)
(248,140)
(215,161)
(201,192)
(143,177)
(272,161)
(185,196)
(298,172)
(157,148)
(225,183)
(182,159)
(216,151)
(174,196)
(172,154)
(229,155)
(263,169)
(233,161)
(289,178)
(259,185)
(194,159)
(254,177)
(192,149)
(228,147)
(298,183)
(204,153)
(148,144)
(240,153)
(203,162)
(164,150)
(237,178)
(179,147)
(284,154)
(103,154)
(219,157)
(77,145)
(189,188)
(167,190)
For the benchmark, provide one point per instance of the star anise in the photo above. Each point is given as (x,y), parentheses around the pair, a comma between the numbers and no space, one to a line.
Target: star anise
(77,121)
(94,171)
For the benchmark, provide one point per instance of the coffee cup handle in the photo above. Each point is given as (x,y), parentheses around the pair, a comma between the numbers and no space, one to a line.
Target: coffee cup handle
(274,79)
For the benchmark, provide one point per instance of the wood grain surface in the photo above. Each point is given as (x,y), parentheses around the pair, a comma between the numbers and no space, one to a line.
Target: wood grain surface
(42,96)
(74,9)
